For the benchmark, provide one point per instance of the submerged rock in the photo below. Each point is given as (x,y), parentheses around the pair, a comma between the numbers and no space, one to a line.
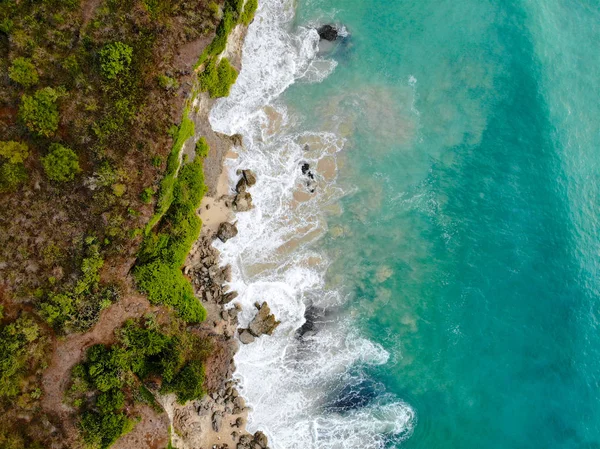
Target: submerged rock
(226,231)
(328,33)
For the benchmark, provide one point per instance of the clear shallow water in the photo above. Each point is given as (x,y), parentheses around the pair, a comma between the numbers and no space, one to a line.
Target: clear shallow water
(456,250)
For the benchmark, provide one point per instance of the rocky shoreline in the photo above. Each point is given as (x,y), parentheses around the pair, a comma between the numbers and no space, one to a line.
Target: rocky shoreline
(218,420)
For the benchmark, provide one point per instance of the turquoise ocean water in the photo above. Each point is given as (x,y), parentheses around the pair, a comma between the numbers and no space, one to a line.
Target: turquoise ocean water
(469,246)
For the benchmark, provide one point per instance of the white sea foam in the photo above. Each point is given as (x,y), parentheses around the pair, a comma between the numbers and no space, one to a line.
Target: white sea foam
(288,378)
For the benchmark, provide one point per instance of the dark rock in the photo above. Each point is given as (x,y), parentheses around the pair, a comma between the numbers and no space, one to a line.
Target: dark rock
(328,33)
(305,167)
(261,439)
(239,422)
(241,186)
(264,323)
(246,337)
(226,231)
(228,297)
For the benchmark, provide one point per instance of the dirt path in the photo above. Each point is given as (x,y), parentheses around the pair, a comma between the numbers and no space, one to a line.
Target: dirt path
(69,351)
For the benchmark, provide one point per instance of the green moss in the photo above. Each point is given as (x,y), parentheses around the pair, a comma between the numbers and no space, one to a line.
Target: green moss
(40,111)
(23,71)
(217,79)
(61,164)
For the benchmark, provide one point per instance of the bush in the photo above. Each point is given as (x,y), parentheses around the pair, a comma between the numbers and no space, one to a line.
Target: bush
(61,164)
(40,111)
(102,430)
(202,148)
(249,11)
(188,384)
(23,71)
(15,152)
(166,285)
(15,341)
(218,79)
(11,175)
(115,59)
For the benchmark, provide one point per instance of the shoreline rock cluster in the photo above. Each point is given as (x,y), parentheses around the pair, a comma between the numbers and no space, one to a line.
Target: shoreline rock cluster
(218,420)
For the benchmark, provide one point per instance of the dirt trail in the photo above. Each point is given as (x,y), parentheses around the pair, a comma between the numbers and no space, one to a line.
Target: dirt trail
(69,351)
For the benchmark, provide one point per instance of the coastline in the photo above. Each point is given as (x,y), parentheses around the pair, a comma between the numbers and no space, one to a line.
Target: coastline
(218,420)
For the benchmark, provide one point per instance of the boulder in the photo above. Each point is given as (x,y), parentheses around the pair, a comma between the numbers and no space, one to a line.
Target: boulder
(241,186)
(328,33)
(217,420)
(264,323)
(261,439)
(242,202)
(226,231)
(249,177)
(228,297)
(246,337)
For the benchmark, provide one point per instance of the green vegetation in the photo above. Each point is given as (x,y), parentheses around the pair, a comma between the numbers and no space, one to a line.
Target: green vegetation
(163,252)
(249,10)
(165,194)
(115,59)
(12,171)
(21,344)
(217,79)
(15,152)
(40,111)
(61,164)
(115,375)
(11,176)
(202,148)
(23,72)
(77,306)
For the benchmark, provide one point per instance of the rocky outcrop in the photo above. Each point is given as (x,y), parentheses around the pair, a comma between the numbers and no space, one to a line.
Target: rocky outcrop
(248,179)
(328,33)
(264,323)
(227,231)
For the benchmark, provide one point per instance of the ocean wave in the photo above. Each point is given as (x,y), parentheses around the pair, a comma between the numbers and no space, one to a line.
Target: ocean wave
(288,379)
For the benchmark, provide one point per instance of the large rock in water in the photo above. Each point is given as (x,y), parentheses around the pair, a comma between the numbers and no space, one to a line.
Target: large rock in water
(226,231)
(328,33)
(242,202)
(264,323)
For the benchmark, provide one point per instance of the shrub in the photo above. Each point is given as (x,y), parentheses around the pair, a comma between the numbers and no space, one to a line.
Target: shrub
(102,430)
(217,79)
(40,111)
(115,59)
(61,164)
(188,384)
(249,10)
(11,175)
(15,339)
(166,285)
(23,71)
(202,148)
(110,401)
(15,152)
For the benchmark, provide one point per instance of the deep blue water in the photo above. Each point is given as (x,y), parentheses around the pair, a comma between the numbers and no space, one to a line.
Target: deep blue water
(469,245)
